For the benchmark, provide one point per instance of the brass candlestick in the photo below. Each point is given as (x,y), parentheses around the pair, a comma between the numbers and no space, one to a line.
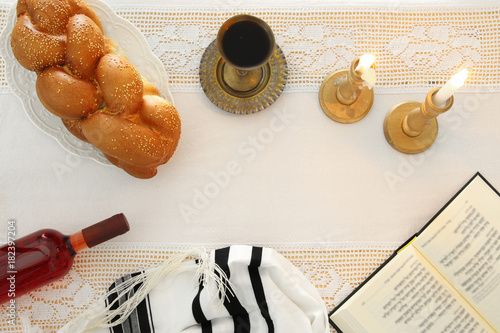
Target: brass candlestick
(343,97)
(411,127)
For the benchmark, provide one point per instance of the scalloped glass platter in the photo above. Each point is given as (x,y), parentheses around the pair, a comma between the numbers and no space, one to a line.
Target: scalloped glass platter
(22,82)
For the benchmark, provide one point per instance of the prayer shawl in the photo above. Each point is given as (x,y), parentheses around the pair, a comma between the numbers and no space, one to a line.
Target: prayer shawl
(235,289)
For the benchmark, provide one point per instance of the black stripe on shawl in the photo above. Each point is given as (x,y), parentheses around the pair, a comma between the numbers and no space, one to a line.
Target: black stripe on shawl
(258,288)
(240,316)
(132,321)
(199,316)
(143,311)
(140,318)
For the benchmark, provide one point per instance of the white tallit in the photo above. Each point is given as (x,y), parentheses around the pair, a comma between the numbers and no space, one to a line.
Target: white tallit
(235,289)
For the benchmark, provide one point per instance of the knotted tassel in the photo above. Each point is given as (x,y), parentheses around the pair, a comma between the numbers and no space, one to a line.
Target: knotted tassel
(98,317)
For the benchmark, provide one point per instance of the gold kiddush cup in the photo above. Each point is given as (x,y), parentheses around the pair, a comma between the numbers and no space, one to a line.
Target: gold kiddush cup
(245,44)
(243,70)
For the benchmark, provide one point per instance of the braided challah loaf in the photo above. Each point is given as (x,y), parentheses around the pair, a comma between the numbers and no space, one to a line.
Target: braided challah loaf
(84,78)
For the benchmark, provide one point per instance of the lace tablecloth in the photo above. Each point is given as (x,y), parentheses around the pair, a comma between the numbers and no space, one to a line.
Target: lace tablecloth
(334,268)
(417,48)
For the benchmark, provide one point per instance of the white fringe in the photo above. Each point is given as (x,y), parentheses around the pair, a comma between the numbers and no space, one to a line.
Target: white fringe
(96,317)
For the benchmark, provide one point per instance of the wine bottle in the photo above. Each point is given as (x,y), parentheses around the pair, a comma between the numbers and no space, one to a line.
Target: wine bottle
(47,255)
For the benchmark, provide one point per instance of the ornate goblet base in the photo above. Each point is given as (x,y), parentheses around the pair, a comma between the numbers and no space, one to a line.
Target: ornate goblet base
(242,92)
(398,139)
(335,109)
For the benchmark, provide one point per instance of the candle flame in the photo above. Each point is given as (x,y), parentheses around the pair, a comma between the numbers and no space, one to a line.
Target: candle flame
(366,61)
(458,79)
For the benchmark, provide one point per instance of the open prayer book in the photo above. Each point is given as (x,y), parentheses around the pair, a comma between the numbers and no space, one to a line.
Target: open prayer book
(445,279)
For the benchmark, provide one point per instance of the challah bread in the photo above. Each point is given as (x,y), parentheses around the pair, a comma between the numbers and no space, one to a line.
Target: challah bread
(84,46)
(121,84)
(159,115)
(66,95)
(52,15)
(84,78)
(162,117)
(75,128)
(34,49)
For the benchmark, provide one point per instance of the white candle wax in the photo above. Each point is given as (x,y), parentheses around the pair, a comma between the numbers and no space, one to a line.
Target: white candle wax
(456,81)
(364,69)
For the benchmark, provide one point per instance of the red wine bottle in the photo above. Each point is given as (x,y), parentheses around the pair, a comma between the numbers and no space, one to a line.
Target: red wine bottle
(47,255)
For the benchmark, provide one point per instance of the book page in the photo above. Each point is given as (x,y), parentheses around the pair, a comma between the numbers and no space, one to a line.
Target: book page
(407,295)
(463,243)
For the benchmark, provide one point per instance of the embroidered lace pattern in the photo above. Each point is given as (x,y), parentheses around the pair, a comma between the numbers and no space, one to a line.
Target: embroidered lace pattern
(335,269)
(416,48)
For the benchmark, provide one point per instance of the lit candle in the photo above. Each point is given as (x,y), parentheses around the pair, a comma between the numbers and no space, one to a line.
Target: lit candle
(365,69)
(456,81)
(365,62)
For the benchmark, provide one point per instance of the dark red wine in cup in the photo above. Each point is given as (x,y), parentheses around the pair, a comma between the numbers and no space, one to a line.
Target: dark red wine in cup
(246,44)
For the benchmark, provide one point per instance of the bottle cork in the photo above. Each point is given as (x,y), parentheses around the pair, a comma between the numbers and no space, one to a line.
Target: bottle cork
(105,230)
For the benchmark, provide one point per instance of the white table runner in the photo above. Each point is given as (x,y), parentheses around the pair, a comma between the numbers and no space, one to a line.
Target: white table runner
(417,47)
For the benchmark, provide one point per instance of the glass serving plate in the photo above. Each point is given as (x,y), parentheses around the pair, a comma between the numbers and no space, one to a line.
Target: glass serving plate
(22,82)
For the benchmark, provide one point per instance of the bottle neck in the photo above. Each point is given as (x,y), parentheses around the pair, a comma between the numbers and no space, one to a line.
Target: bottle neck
(78,242)
(98,233)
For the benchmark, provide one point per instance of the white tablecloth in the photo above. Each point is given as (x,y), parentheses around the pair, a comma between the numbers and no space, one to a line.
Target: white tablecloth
(286,174)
